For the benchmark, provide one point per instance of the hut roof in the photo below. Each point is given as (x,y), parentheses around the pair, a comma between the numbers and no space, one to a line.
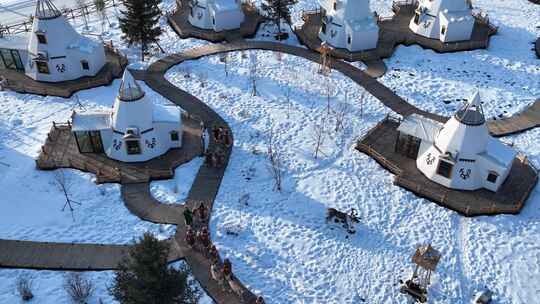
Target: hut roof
(45,9)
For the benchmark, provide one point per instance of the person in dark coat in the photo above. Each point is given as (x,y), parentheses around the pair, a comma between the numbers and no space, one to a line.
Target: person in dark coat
(190,237)
(188,217)
(213,254)
(227,268)
(202,212)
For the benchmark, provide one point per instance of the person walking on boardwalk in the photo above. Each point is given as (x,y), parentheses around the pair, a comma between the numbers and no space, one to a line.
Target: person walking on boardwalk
(227,268)
(259,300)
(190,237)
(188,217)
(202,212)
(217,275)
(213,254)
(204,240)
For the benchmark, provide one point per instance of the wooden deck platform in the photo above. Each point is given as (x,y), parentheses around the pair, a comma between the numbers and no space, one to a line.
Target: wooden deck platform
(60,151)
(394,31)
(510,199)
(179,22)
(19,82)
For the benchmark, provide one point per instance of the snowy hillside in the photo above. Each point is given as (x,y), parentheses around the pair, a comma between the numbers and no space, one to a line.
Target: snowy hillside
(283,248)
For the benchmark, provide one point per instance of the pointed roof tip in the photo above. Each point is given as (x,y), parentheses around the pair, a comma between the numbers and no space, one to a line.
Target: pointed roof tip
(45,9)
(472,112)
(129,88)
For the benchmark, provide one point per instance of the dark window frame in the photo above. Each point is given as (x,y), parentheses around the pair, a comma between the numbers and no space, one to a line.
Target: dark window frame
(175,136)
(85,65)
(42,67)
(492,177)
(133,147)
(445,168)
(42,39)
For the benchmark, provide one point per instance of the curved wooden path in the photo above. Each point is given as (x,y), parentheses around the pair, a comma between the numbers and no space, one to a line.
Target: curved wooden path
(61,256)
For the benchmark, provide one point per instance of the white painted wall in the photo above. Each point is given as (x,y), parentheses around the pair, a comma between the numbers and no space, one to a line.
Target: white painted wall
(454,15)
(64,50)
(217,15)
(349,25)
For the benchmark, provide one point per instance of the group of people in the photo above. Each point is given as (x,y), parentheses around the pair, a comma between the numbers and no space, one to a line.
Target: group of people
(198,238)
(223,138)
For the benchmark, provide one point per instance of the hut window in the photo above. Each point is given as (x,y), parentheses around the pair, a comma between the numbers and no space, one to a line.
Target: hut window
(214,20)
(42,67)
(349,39)
(492,177)
(41,38)
(335,5)
(85,65)
(417,18)
(445,169)
(323,28)
(443,29)
(174,136)
(133,147)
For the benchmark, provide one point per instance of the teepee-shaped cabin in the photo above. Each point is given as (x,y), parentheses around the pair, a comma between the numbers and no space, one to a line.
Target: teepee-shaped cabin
(135,130)
(348,24)
(56,52)
(460,154)
(216,15)
(446,20)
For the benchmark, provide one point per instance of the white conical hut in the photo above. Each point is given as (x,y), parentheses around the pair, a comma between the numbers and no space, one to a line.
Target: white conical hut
(56,51)
(216,15)
(461,154)
(348,24)
(135,130)
(446,20)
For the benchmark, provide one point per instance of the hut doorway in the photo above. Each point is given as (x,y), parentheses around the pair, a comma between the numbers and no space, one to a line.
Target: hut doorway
(89,141)
(408,145)
(11,59)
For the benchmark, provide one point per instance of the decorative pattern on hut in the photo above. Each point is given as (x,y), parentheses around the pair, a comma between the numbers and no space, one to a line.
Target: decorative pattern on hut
(216,15)
(135,130)
(446,20)
(460,154)
(348,24)
(53,51)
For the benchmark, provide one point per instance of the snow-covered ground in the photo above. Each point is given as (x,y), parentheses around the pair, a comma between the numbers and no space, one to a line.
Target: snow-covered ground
(175,191)
(284,250)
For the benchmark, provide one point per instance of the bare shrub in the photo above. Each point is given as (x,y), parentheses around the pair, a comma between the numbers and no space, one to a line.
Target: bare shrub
(24,287)
(78,287)
(64,184)
(275,158)
(253,73)
(318,137)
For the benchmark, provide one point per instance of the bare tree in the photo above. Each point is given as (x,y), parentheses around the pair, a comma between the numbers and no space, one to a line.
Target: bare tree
(64,183)
(224,57)
(342,109)
(203,78)
(318,136)
(24,287)
(275,158)
(82,6)
(253,73)
(329,92)
(102,12)
(78,287)
(286,90)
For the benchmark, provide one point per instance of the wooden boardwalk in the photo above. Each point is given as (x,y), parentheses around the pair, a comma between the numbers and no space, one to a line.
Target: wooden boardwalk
(66,256)
(511,197)
(19,82)
(393,32)
(180,24)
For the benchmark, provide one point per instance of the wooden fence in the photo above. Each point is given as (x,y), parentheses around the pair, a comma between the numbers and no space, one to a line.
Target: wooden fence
(69,13)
